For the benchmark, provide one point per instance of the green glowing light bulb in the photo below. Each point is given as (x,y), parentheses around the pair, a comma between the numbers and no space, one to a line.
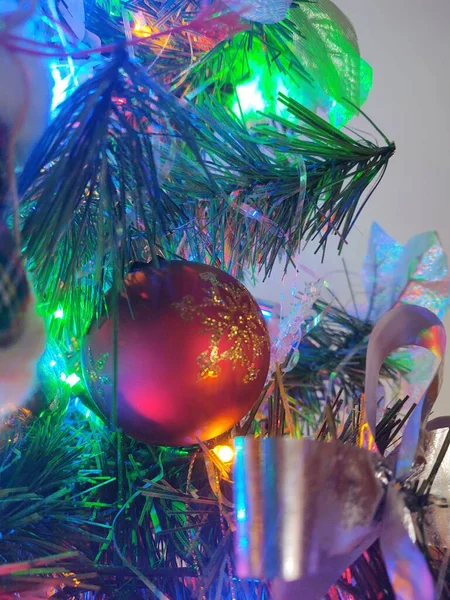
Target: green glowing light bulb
(59,313)
(72,379)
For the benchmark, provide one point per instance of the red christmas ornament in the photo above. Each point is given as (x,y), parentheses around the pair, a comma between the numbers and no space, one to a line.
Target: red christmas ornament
(193,354)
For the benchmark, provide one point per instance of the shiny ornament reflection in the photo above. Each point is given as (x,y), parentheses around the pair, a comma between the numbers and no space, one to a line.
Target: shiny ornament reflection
(193,354)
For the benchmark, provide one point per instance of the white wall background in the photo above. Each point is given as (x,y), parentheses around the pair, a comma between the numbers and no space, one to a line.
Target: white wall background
(408,45)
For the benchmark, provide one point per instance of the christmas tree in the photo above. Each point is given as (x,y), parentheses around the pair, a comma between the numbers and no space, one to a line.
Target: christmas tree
(164,435)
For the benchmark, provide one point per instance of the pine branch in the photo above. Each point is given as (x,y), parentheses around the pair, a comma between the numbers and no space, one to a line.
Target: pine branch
(260,173)
(125,166)
(324,353)
(93,180)
(199,66)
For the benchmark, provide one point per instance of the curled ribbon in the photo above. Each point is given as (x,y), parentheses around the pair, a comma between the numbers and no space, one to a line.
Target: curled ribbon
(405,325)
(307,509)
(435,449)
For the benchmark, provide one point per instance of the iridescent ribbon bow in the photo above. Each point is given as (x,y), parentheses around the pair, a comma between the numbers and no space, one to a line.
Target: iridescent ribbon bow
(260,11)
(307,509)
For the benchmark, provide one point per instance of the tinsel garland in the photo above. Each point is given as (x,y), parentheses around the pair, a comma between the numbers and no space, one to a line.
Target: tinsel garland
(127,171)
(188,62)
(66,500)
(332,363)
(313,54)
(125,164)
(59,494)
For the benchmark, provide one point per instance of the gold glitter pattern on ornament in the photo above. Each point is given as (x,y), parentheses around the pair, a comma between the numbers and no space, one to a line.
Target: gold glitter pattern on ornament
(186,308)
(208,276)
(237,320)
